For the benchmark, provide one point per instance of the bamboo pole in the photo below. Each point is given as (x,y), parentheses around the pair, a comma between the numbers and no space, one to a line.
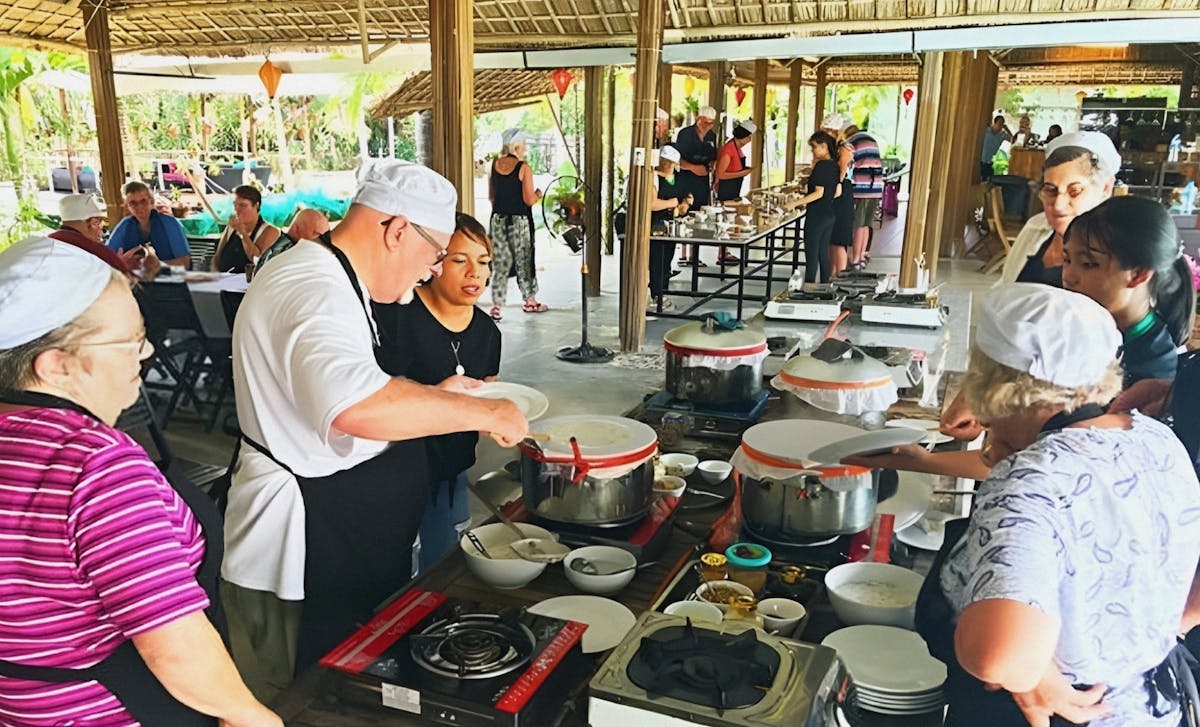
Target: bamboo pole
(716,91)
(452,44)
(66,117)
(793,119)
(664,90)
(635,258)
(929,96)
(104,101)
(610,159)
(758,142)
(593,173)
(819,106)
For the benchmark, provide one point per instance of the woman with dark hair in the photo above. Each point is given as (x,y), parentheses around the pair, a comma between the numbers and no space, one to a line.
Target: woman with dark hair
(820,207)
(1125,255)
(731,169)
(247,236)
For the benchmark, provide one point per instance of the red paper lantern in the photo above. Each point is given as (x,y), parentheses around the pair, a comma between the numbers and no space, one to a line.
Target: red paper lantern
(907,96)
(269,74)
(739,96)
(561,79)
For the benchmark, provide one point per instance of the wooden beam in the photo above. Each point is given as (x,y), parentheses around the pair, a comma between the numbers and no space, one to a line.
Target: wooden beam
(593,172)
(635,255)
(104,101)
(759,116)
(716,92)
(610,159)
(451,45)
(819,106)
(793,119)
(363,38)
(664,88)
(925,141)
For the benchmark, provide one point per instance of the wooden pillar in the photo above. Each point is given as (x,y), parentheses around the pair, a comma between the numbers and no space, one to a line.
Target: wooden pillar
(716,91)
(635,257)
(452,48)
(793,119)
(929,99)
(104,100)
(665,72)
(758,114)
(593,172)
(1189,94)
(819,106)
(610,159)
(252,133)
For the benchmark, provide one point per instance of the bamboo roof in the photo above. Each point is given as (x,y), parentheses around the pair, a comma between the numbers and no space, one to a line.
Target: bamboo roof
(254,27)
(496,89)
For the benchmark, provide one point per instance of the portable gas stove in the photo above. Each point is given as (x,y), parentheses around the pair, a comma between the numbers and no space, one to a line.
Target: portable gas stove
(668,674)
(460,663)
(727,421)
(903,310)
(645,537)
(863,282)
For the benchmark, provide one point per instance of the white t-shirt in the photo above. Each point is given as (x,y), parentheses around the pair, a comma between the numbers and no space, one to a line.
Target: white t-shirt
(303,352)
(1029,240)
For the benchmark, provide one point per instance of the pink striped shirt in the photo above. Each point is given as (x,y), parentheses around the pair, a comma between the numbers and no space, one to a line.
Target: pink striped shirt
(95,548)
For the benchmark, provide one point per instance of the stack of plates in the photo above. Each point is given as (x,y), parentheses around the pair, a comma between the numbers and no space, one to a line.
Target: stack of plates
(890,669)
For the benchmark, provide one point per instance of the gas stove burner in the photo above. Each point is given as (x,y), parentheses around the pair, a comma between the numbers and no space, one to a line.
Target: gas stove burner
(826,295)
(894,298)
(473,646)
(704,667)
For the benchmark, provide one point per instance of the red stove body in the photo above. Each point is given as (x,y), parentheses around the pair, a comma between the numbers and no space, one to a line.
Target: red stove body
(467,664)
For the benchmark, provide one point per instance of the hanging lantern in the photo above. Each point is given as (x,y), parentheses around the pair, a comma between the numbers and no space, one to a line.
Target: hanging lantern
(907,95)
(561,79)
(269,74)
(689,85)
(739,96)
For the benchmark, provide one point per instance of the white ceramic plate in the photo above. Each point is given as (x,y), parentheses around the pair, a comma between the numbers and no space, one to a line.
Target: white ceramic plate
(911,501)
(866,444)
(887,659)
(607,620)
(928,425)
(530,401)
(793,440)
(936,438)
(925,538)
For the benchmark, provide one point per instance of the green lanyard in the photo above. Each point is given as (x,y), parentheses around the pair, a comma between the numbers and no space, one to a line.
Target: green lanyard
(1140,328)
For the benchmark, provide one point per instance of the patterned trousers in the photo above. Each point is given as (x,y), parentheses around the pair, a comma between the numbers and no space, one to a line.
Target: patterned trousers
(512,242)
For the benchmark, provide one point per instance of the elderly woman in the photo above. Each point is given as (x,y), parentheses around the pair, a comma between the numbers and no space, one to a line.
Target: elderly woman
(1075,566)
(669,200)
(247,236)
(109,613)
(512,194)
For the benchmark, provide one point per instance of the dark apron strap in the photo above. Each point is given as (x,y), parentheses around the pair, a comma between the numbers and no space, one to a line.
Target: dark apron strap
(124,672)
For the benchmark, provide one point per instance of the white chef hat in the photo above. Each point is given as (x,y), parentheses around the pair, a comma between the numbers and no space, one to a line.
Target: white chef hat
(45,284)
(669,153)
(397,187)
(833,121)
(662,114)
(512,136)
(1052,334)
(1095,142)
(75,207)
(707,112)
(748,125)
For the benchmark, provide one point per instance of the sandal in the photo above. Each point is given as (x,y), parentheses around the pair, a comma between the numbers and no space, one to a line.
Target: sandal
(495,313)
(535,307)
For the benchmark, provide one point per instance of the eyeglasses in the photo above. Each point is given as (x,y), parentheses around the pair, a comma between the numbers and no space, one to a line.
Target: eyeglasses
(141,342)
(441,251)
(1051,192)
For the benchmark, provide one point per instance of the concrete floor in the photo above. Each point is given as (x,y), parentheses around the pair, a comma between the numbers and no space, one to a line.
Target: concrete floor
(530,341)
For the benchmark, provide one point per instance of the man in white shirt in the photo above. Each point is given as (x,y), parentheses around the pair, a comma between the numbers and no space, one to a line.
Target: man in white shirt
(329,485)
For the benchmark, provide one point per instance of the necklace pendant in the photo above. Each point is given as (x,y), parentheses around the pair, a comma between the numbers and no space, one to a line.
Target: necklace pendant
(460,370)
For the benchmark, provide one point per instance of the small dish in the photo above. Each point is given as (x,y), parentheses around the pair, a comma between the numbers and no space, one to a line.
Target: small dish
(697,611)
(606,558)
(679,464)
(670,485)
(780,615)
(719,593)
(714,471)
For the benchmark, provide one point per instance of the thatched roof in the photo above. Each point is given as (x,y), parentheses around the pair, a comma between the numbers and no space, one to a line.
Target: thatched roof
(253,27)
(495,89)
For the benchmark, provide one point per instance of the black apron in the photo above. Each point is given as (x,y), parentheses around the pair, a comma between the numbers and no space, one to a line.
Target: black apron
(731,189)
(1035,270)
(360,525)
(1170,684)
(123,672)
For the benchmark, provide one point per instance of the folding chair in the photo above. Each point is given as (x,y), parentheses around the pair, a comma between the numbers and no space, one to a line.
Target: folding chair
(203,249)
(139,422)
(999,222)
(230,301)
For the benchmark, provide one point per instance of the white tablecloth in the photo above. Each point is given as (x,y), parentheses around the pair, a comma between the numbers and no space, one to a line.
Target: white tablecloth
(206,294)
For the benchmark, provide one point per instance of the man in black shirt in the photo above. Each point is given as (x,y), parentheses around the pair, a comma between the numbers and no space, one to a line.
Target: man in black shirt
(697,145)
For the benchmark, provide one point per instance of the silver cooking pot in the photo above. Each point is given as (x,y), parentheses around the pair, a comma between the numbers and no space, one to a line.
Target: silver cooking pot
(802,506)
(714,367)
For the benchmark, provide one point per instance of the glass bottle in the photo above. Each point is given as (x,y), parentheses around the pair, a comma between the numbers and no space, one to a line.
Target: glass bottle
(713,567)
(744,608)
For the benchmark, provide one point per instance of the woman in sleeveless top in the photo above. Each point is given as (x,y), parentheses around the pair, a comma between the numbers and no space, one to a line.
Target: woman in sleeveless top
(842,237)
(730,173)
(512,194)
(247,236)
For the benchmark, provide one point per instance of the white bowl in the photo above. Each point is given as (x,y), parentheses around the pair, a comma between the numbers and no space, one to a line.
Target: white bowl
(697,611)
(873,593)
(685,463)
(780,615)
(606,557)
(738,588)
(714,471)
(505,569)
(669,485)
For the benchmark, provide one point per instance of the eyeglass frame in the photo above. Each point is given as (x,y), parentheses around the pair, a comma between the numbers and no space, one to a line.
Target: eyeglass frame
(441,251)
(142,340)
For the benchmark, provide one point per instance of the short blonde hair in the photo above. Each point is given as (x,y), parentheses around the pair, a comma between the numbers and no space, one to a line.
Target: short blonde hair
(994,391)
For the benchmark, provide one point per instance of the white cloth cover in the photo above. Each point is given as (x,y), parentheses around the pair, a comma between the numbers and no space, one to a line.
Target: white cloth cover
(852,401)
(398,187)
(748,466)
(724,363)
(45,284)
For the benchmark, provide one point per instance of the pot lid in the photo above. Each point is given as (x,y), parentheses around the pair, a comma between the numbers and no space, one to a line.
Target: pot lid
(792,440)
(697,336)
(864,371)
(599,437)
(748,555)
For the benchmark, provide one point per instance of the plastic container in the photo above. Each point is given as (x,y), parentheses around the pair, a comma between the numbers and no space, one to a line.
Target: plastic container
(748,565)
(713,567)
